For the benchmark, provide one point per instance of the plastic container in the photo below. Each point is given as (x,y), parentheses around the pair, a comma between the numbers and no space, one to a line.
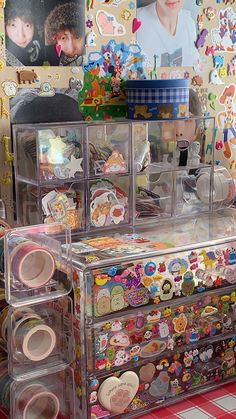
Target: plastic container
(40,337)
(35,269)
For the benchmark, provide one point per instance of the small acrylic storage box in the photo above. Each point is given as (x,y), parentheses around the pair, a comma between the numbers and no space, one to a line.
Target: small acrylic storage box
(40,337)
(174,172)
(35,270)
(49,396)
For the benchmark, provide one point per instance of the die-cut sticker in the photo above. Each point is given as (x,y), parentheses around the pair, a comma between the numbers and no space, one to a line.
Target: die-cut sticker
(180,323)
(223,71)
(10,88)
(115,394)
(153,348)
(146,373)
(188,284)
(210,12)
(167,288)
(91,39)
(210,50)
(224,37)
(200,22)
(197,81)
(201,38)
(205,354)
(108,24)
(46,90)
(160,386)
(103,302)
(136,25)
(126,14)
(215,78)
(120,339)
(218,61)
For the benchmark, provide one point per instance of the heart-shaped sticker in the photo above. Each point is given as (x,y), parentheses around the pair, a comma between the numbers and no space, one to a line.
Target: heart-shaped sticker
(115,394)
(58,49)
(136,25)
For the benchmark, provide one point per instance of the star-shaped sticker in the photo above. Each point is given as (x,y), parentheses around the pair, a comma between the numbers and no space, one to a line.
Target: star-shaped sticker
(74,166)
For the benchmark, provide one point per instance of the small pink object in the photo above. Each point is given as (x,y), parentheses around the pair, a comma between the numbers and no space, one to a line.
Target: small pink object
(58,49)
(136,25)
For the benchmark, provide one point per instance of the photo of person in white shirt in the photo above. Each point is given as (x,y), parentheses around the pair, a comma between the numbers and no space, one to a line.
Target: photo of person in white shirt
(168,32)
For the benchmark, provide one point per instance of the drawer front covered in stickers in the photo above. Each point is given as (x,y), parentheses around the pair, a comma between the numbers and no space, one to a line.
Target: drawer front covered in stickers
(146,333)
(156,381)
(166,278)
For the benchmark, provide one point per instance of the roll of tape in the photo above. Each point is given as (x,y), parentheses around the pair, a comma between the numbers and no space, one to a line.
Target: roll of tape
(220,187)
(34,339)
(36,401)
(31,264)
(20,316)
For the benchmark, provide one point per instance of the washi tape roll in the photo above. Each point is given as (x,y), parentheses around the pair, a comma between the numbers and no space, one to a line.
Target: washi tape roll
(34,339)
(20,316)
(220,187)
(36,401)
(32,264)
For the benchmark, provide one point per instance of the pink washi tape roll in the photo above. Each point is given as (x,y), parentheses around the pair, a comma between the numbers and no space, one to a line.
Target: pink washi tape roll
(34,339)
(32,264)
(36,401)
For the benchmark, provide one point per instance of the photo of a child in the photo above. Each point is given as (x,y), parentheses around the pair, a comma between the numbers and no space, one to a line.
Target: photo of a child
(23,44)
(167,33)
(42,32)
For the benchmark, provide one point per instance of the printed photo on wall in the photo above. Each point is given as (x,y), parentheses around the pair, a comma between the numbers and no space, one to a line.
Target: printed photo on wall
(44,32)
(167,34)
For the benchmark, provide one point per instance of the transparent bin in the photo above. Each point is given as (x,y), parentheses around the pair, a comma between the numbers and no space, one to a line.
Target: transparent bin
(48,152)
(40,337)
(49,204)
(109,148)
(49,397)
(109,201)
(35,269)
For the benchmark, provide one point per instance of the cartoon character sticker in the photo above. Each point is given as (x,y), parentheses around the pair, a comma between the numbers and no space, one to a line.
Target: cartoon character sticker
(108,205)
(108,24)
(224,37)
(226,119)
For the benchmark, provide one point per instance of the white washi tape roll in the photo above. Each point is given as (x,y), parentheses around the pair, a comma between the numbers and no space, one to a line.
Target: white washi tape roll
(220,187)
(35,339)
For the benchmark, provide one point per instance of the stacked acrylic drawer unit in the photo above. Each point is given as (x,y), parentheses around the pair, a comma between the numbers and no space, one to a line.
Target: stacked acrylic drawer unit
(156,310)
(37,325)
(95,176)
(69,174)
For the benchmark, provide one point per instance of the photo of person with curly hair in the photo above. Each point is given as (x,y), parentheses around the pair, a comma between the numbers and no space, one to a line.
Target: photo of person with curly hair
(23,43)
(64,35)
(42,32)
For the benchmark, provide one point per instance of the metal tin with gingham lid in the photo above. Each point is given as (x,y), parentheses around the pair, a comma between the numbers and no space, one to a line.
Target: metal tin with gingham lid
(157,99)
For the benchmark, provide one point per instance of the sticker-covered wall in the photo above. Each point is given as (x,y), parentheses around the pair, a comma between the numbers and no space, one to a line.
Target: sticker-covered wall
(64,60)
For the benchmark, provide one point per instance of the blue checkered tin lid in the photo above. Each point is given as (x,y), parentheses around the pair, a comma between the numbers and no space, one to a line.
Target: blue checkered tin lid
(156,84)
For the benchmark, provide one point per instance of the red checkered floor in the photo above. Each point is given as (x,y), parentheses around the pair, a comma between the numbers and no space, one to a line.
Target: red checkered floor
(216,404)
